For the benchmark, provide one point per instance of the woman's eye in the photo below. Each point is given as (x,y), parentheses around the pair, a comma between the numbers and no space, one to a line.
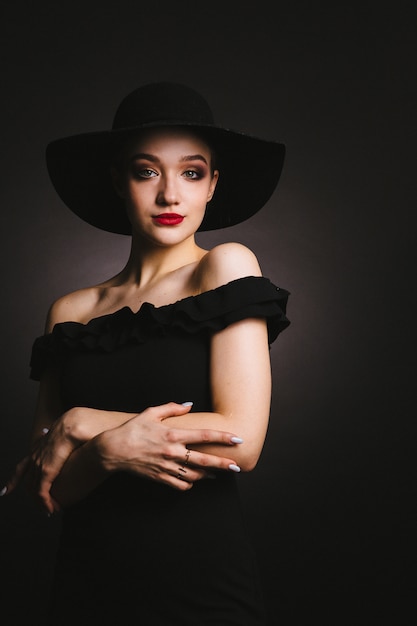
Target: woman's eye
(144,173)
(192,174)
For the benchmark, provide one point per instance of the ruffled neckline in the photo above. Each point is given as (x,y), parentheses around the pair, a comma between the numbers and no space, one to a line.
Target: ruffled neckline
(209,311)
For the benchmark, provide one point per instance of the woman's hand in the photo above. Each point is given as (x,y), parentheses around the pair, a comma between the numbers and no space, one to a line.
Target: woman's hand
(147,446)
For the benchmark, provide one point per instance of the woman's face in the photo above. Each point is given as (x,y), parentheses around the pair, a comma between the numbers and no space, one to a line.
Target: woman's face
(166,180)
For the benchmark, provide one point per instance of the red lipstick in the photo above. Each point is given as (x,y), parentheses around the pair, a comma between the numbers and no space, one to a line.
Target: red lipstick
(168,219)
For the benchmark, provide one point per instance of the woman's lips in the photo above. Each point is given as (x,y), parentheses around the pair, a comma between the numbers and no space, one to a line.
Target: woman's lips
(168,219)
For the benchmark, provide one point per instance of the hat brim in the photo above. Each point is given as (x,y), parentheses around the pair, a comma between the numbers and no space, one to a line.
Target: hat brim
(79,168)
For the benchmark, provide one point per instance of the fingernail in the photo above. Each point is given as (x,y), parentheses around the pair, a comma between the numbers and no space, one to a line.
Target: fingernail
(236,440)
(45,430)
(187,403)
(234,468)
(3,491)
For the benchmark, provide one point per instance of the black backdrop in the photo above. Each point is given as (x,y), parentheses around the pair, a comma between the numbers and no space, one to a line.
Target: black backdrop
(331,504)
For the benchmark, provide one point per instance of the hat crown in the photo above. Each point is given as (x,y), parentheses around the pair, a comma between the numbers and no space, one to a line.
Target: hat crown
(165,103)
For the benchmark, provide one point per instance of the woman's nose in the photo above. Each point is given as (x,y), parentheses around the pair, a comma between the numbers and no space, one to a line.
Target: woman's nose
(168,192)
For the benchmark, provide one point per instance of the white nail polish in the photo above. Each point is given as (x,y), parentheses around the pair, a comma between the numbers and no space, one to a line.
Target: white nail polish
(3,491)
(187,403)
(234,468)
(236,440)
(45,430)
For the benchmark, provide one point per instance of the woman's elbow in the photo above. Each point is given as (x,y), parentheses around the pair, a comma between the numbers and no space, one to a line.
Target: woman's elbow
(249,459)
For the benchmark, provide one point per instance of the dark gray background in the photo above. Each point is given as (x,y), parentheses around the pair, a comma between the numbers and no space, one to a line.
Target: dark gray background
(331,503)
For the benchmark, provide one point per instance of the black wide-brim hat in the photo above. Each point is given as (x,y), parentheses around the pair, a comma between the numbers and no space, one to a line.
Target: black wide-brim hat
(79,165)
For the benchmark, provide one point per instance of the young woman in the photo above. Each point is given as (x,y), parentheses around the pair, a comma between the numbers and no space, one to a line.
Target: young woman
(155,385)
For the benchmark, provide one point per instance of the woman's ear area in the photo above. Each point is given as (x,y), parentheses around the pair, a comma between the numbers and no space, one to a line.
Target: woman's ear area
(117,181)
(213,184)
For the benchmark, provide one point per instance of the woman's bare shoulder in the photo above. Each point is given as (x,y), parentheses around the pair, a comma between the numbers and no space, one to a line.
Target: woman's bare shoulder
(76,306)
(226,262)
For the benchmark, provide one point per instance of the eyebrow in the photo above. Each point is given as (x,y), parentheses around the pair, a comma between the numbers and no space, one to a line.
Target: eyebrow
(154,159)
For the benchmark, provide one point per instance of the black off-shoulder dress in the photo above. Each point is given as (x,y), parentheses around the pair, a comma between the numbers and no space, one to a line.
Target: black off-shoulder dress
(134,551)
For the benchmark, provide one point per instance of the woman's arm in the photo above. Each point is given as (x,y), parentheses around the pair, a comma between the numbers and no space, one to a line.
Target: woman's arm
(241,390)
(240,362)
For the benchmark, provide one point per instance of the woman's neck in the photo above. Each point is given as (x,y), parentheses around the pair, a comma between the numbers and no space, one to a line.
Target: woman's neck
(148,264)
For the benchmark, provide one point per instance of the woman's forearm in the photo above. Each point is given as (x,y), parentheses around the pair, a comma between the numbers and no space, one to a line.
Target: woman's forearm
(80,424)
